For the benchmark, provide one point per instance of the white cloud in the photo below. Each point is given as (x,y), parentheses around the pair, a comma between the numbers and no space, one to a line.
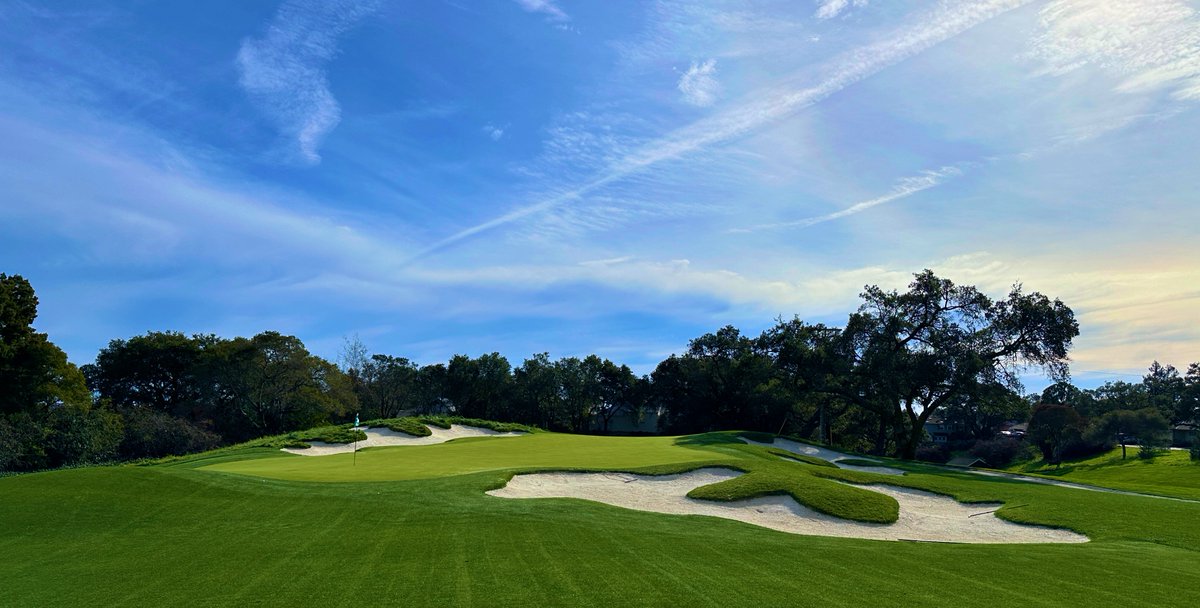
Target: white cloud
(545,7)
(1147,44)
(829,9)
(493,131)
(903,188)
(765,107)
(699,85)
(283,71)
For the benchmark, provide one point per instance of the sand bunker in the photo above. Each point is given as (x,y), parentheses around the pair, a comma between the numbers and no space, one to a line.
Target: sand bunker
(381,437)
(796,447)
(923,516)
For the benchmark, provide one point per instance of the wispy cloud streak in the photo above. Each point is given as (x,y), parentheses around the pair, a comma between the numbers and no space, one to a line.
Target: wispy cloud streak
(283,71)
(1149,44)
(769,106)
(545,7)
(829,9)
(904,188)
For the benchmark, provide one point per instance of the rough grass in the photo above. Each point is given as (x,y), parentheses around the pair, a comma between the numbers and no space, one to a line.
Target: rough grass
(342,433)
(182,535)
(500,427)
(1171,473)
(411,426)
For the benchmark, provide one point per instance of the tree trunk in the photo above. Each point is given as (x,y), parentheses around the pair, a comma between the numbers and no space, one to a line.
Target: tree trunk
(881,436)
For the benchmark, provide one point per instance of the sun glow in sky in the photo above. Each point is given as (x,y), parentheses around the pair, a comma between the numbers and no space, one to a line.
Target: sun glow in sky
(609,177)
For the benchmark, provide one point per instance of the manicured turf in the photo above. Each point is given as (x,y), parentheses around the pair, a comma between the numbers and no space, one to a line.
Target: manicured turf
(534,451)
(186,535)
(1171,473)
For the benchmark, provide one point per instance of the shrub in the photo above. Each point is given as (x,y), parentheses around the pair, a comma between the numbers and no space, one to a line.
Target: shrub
(151,434)
(1195,451)
(998,452)
(933,453)
(22,443)
(1147,451)
(81,435)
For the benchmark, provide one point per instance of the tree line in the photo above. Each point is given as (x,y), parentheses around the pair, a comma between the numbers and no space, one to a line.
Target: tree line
(935,349)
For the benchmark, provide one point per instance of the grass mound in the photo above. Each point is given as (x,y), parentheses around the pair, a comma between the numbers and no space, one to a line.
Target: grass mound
(342,433)
(820,494)
(410,426)
(500,427)
(805,458)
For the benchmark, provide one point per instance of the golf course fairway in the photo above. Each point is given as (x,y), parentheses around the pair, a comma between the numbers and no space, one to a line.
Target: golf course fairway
(413,526)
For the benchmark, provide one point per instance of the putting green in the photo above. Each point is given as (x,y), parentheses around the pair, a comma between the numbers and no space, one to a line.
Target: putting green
(473,455)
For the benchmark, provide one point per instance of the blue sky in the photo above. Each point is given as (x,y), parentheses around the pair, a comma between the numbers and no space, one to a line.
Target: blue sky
(609,177)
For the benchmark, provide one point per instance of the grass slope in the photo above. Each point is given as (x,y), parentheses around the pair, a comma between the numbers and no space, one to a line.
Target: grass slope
(1172,473)
(184,535)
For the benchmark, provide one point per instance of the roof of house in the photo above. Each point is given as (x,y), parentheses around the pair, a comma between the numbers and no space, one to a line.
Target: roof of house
(966,461)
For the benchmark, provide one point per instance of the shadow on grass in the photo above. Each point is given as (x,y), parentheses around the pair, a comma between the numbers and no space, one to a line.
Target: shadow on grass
(710,439)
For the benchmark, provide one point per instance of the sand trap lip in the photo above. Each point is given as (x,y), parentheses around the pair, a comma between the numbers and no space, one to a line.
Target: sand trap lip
(924,516)
(382,437)
(833,456)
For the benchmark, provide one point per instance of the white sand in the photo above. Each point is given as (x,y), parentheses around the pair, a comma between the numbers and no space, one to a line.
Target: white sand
(923,516)
(796,447)
(381,437)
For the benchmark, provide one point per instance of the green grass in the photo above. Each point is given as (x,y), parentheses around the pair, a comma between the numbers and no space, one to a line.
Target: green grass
(805,458)
(1171,473)
(471,455)
(412,426)
(184,534)
(342,433)
(861,462)
(797,480)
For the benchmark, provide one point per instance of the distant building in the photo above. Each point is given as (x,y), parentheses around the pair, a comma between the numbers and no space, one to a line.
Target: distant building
(1184,435)
(940,430)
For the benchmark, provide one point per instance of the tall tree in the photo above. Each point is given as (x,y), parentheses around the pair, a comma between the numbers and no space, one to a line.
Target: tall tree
(1166,391)
(619,391)
(1052,428)
(477,387)
(917,351)
(35,375)
(155,371)
(271,384)
(386,386)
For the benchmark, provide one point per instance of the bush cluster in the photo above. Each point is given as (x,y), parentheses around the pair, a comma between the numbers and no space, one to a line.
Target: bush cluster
(999,452)
(937,454)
